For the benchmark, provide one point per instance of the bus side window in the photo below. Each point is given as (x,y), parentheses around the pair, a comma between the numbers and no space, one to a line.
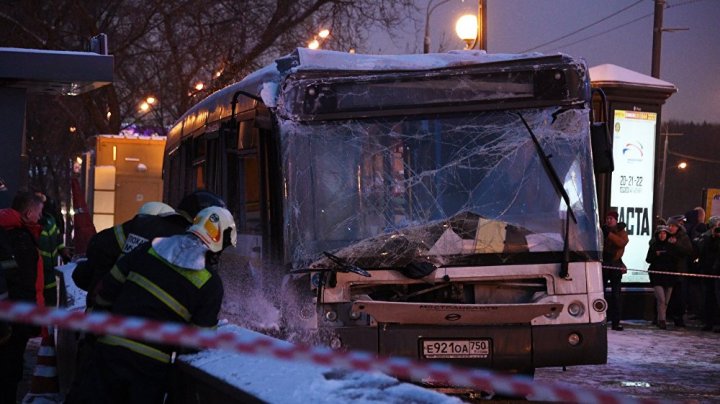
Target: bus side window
(199,161)
(243,178)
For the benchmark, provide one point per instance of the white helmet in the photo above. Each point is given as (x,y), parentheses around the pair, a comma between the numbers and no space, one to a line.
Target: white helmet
(215,227)
(156,209)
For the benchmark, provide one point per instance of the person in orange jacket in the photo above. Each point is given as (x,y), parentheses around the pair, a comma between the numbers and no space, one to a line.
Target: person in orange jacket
(616,238)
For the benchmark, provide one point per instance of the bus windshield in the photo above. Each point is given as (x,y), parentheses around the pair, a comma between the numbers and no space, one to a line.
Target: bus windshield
(449,188)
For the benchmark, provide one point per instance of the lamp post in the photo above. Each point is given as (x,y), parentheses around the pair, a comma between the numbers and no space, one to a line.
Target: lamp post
(661,186)
(473,29)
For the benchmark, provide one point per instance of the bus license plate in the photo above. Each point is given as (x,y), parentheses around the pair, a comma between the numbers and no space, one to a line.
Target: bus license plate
(458,348)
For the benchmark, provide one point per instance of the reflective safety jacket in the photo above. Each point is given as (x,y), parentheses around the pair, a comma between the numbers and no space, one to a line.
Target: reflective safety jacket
(49,243)
(107,246)
(149,282)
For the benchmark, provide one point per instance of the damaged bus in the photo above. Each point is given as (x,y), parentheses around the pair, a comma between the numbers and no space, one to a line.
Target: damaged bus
(439,207)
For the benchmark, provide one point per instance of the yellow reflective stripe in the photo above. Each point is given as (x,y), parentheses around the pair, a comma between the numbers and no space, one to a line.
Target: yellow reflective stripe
(48,254)
(119,236)
(196,277)
(135,347)
(117,274)
(51,285)
(159,293)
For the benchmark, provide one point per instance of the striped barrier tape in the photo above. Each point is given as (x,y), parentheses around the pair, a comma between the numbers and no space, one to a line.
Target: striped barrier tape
(402,368)
(663,272)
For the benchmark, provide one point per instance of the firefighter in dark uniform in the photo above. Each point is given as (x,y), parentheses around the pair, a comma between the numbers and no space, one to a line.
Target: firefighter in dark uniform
(165,280)
(155,219)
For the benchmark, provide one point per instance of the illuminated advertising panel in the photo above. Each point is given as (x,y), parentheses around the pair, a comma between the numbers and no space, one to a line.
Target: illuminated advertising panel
(631,192)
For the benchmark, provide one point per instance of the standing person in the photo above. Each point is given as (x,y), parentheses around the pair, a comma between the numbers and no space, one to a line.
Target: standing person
(683,249)
(154,219)
(616,238)
(165,280)
(24,283)
(708,254)
(52,248)
(661,258)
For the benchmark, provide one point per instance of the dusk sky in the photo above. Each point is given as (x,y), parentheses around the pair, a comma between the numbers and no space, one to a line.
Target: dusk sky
(618,32)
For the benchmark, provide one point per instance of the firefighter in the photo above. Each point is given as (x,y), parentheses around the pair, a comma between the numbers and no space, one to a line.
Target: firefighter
(165,280)
(52,248)
(154,219)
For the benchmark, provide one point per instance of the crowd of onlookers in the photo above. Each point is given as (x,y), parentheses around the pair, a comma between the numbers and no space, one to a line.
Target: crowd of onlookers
(684,258)
(691,245)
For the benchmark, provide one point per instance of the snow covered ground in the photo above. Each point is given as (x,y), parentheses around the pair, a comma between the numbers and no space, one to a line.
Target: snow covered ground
(678,364)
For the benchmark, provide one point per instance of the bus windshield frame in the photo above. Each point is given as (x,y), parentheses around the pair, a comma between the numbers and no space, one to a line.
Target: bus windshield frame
(458,189)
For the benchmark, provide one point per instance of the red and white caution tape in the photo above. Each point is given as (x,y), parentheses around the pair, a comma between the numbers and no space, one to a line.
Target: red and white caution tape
(402,368)
(686,274)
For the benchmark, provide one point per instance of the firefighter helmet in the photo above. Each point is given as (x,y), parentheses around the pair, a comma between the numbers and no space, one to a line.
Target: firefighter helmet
(196,201)
(215,227)
(156,209)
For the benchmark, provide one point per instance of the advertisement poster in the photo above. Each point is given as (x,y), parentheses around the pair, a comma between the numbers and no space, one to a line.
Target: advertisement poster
(712,202)
(631,192)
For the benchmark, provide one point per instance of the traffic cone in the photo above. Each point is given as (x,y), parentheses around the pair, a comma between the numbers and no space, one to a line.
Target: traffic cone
(44,386)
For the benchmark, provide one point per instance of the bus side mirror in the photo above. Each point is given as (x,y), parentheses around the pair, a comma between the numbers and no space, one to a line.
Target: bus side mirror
(600,139)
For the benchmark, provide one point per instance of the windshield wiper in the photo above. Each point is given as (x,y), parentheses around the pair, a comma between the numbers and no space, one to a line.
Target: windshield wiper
(557,184)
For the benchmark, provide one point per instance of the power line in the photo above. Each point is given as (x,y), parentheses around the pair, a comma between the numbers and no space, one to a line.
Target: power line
(684,3)
(691,157)
(585,27)
(604,32)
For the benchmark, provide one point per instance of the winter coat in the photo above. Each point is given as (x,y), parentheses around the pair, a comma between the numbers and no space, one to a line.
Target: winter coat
(107,246)
(26,281)
(614,246)
(166,280)
(708,247)
(681,248)
(661,258)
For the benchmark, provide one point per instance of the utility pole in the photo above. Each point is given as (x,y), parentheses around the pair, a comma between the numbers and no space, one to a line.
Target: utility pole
(657,38)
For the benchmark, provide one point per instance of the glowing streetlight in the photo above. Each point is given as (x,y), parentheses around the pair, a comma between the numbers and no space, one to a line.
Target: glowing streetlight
(150,100)
(199,86)
(466,28)
(144,106)
(682,165)
(315,43)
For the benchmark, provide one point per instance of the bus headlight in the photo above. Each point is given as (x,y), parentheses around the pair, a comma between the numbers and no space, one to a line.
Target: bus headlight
(574,339)
(576,309)
(599,305)
(331,315)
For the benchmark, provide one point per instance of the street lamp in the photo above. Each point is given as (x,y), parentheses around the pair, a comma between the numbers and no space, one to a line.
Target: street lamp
(466,28)
(473,29)
(315,43)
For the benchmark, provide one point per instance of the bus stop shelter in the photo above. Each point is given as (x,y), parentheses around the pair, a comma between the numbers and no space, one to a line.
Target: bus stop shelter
(34,71)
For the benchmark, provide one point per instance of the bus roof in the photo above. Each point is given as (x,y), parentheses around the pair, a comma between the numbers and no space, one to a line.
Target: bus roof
(265,83)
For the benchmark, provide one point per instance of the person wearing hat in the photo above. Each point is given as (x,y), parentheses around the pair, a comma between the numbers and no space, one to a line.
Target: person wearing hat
(682,248)
(660,258)
(616,238)
(708,245)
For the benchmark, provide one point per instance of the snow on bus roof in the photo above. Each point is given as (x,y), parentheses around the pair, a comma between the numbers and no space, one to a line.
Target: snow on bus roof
(332,60)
